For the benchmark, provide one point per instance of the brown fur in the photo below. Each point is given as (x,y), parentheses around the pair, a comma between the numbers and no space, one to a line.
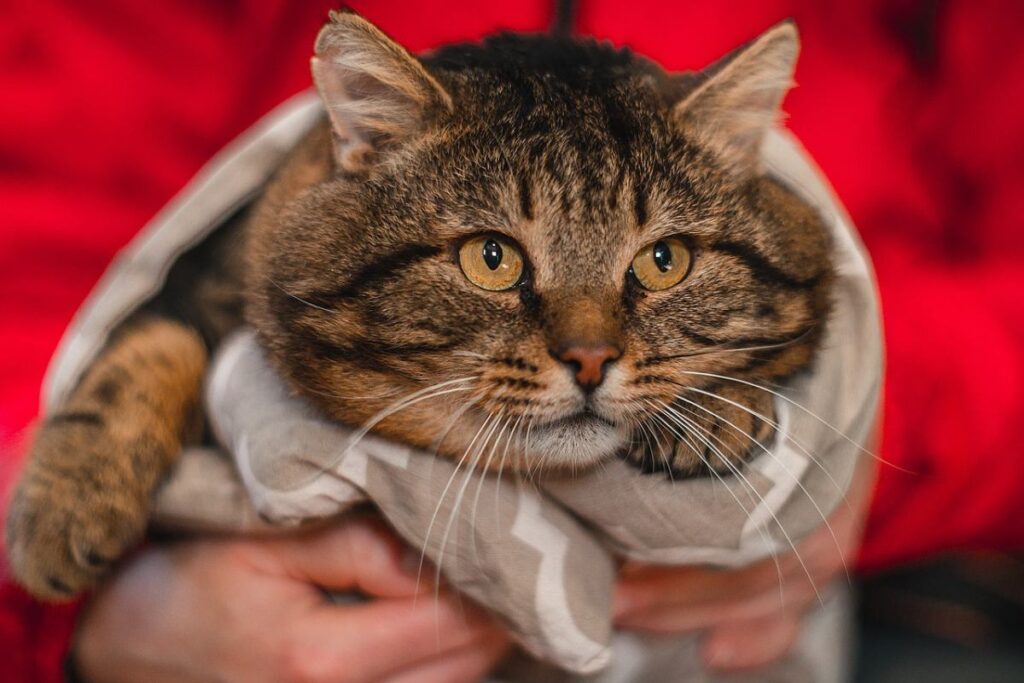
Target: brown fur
(83,497)
(579,154)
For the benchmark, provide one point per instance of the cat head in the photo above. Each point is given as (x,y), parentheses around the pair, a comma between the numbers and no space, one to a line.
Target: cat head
(526,252)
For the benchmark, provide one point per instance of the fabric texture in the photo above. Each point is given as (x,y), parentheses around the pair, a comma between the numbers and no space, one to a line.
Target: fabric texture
(540,555)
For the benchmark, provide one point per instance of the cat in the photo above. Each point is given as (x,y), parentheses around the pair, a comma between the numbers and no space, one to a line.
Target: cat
(531,229)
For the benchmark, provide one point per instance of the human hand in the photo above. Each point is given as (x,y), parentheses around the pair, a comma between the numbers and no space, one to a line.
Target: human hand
(750,616)
(253,610)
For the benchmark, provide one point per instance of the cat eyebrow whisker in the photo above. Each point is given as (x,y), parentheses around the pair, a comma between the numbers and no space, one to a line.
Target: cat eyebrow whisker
(299,298)
(471,354)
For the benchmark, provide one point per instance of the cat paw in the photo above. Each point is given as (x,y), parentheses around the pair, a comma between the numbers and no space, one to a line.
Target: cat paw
(70,518)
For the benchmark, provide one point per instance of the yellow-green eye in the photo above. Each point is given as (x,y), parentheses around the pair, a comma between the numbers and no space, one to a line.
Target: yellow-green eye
(662,264)
(491,262)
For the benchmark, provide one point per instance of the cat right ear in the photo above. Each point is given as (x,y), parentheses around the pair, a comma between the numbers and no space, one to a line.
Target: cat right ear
(732,104)
(375,92)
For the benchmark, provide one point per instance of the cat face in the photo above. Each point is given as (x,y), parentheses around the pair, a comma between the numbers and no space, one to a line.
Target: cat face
(539,253)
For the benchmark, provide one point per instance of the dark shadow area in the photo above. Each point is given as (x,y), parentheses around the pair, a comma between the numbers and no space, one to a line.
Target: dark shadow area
(956,620)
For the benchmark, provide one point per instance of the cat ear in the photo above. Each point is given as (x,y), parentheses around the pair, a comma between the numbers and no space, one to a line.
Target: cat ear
(736,100)
(375,92)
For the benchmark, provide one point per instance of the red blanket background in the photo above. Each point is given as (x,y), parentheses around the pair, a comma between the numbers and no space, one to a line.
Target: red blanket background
(915,111)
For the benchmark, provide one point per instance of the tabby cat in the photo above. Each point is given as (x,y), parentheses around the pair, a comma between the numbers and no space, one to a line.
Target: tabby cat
(549,233)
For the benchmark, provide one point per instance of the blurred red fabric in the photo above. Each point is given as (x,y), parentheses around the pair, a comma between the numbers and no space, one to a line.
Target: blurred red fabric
(914,109)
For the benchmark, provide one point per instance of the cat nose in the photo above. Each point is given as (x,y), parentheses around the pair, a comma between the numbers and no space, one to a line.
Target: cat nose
(589,362)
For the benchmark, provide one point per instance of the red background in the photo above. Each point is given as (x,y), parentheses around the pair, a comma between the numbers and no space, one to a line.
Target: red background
(915,111)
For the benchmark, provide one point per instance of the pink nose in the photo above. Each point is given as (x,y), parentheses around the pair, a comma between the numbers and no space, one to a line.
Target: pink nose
(589,362)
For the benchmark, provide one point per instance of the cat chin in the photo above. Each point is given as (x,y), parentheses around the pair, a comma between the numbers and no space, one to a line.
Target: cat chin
(578,445)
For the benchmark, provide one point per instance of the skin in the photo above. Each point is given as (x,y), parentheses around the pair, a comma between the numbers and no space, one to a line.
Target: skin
(253,610)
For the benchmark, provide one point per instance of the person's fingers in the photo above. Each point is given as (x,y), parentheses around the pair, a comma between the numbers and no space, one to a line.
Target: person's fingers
(362,554)
(677,618)
(750,644)
(653,586)
(467,665)
(367,641)
(656,588)
(818,559)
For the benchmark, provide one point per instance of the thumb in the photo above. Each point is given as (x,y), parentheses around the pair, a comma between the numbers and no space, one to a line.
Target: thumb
(360,553)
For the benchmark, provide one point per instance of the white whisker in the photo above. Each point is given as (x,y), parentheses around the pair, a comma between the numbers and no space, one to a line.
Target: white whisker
(444,493)
(501,469)
(483,476)
(433,391)
(803,408)
(690,430)
(474,462)
(738,472)
(789,472)
(778,428)
(299,298)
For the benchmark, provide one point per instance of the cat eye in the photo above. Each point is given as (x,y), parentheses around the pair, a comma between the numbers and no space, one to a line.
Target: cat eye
(662,264)
(491,262)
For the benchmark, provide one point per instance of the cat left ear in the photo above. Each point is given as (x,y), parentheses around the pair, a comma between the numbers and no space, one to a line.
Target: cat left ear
(375,92)
(737,99)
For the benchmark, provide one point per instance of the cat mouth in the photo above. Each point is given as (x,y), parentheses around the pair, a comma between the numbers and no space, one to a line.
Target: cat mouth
(581,439)
(581,418)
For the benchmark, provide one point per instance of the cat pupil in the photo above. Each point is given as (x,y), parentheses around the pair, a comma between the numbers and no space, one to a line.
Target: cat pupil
(662,256)
(492,254)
